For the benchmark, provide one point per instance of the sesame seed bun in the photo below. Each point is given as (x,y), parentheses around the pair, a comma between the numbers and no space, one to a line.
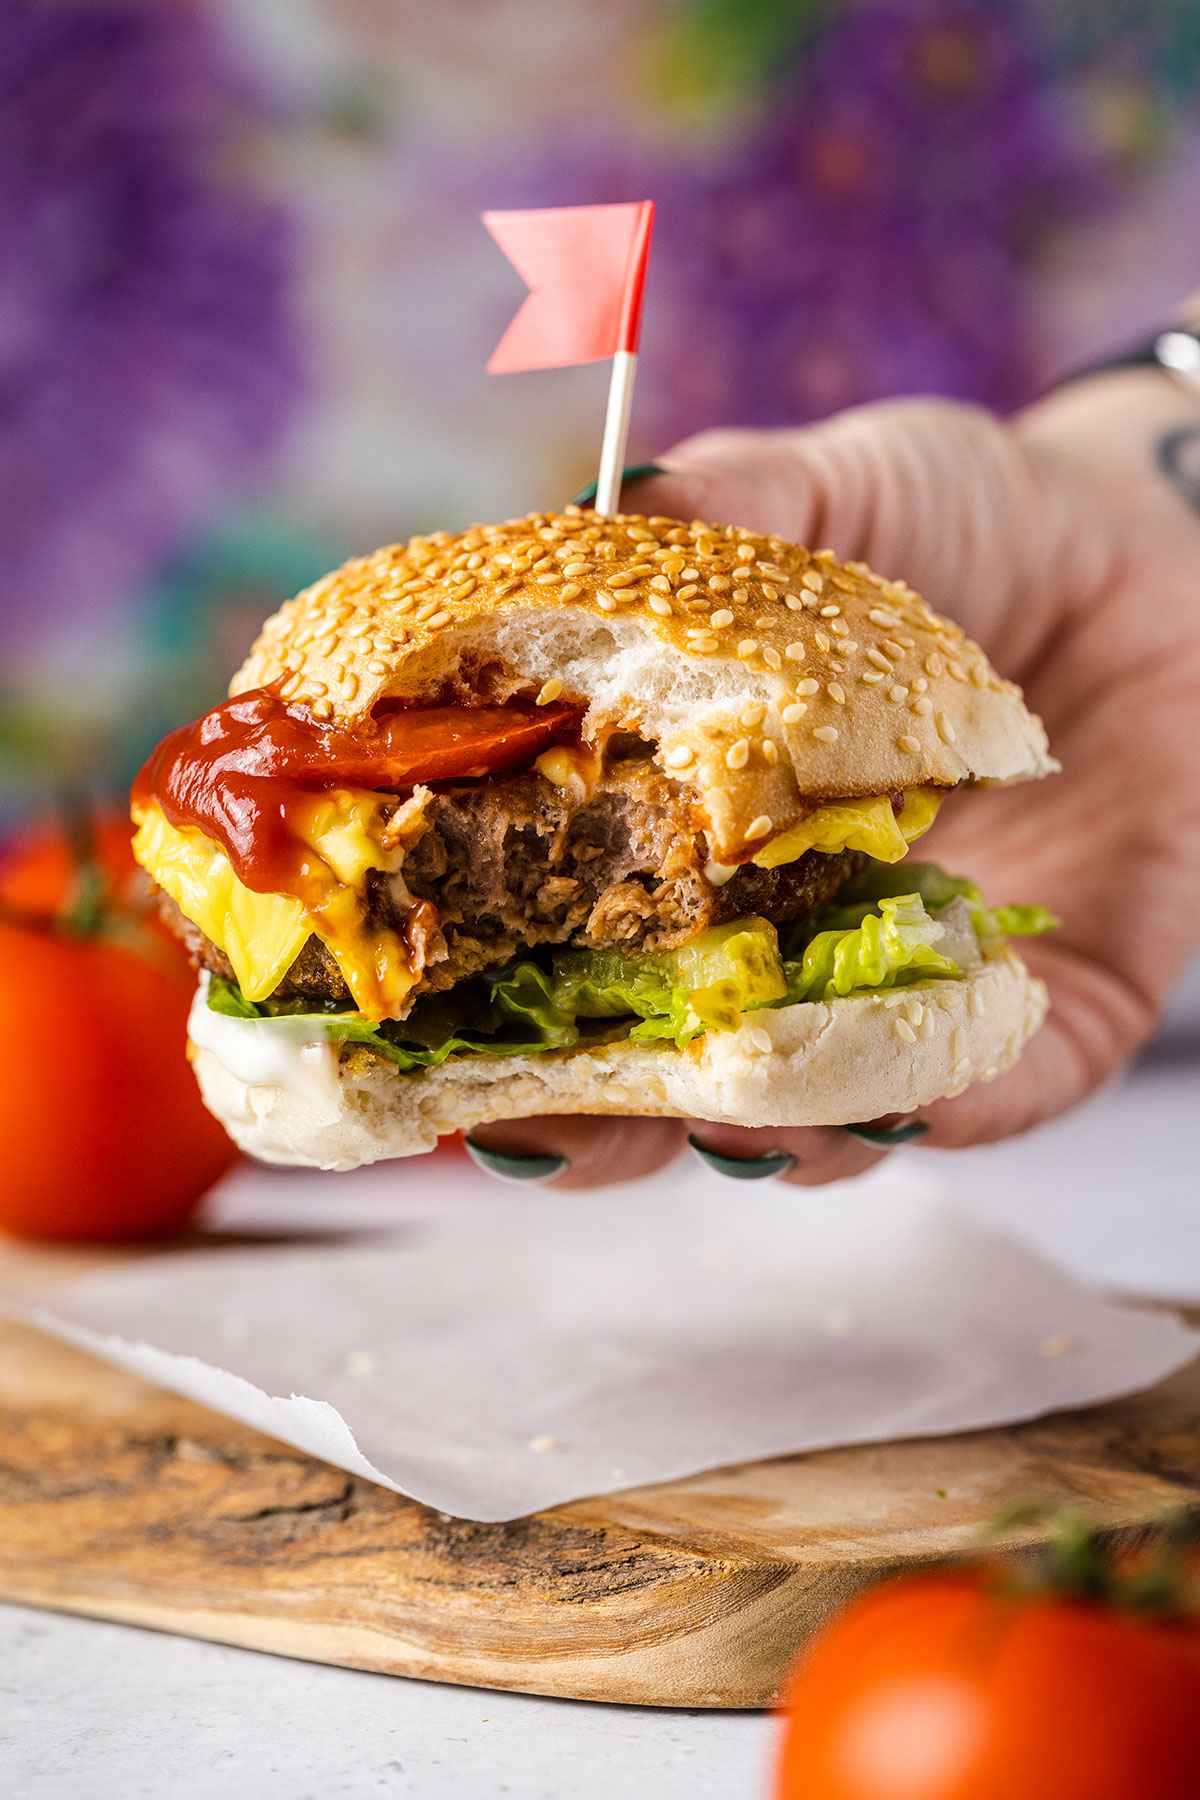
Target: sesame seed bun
(769,676)
(820,1063)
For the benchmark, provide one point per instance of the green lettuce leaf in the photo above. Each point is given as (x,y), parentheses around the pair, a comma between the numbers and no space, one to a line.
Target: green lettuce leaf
(936,890)
(889,947)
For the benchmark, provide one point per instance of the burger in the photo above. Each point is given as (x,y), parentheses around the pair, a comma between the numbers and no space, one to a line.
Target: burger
(576,814)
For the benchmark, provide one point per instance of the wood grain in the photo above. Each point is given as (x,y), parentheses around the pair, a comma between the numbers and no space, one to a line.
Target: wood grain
(124,1502)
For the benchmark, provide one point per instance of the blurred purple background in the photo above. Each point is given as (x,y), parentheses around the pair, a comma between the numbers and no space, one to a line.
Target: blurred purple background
(245,300)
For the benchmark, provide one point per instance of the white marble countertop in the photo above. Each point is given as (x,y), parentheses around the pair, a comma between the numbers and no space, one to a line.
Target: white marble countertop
(96,1710)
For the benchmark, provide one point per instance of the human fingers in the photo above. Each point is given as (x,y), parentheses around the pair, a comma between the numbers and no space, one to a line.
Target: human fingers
(807,1157)
(574,1152)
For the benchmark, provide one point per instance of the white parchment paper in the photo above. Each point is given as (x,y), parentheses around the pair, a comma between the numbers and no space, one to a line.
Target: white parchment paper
(497,1351)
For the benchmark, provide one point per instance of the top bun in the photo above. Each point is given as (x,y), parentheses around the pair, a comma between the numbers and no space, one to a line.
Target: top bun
(770,677)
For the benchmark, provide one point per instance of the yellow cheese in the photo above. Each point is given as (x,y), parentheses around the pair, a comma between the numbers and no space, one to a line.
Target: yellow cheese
(263,934)
(868,825)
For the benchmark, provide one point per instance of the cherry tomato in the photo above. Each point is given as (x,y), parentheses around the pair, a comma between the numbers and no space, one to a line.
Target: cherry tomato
(103,1131)
(956,1688)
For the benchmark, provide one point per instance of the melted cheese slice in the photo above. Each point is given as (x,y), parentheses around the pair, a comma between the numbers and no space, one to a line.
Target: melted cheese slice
(868,825)
(263,934)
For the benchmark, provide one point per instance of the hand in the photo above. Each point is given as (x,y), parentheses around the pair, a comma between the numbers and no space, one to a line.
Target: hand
(1057,544)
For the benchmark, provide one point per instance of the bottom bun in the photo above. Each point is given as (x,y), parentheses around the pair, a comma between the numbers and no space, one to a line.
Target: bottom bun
(818,1063)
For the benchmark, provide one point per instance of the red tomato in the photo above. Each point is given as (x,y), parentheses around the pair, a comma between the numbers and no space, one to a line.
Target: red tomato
(440,743)
(950,1687)
(37,870)
(103,1130)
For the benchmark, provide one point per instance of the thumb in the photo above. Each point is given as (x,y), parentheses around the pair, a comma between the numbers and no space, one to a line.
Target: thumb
(773,482)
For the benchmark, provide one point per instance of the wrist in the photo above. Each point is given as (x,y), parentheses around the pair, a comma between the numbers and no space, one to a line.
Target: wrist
(1132,433)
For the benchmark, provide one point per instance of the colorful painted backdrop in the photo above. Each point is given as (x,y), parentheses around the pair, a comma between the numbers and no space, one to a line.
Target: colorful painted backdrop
(245,303)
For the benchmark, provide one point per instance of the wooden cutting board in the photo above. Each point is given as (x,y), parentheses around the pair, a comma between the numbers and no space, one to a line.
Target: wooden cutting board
(124,1502)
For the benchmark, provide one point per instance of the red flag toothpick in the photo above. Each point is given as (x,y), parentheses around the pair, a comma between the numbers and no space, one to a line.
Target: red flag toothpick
(585,267)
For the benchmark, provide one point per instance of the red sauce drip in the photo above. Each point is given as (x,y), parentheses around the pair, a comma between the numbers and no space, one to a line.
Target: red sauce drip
(238,773)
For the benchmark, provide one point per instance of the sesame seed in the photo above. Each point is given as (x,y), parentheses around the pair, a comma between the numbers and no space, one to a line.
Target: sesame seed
(928,1024)
(820,640)
(825,734)
(879,659)
(811,580)
(746,553)
(752,715)
(704,643)
(794,602)
(377,666)
(795,651)
(720,618)
(769,592)
(747,647)
(772,657)
(908,742)
(897,692)
(793,712)
(878,615)
(719,584)
(661,605)
(323,709)
(957,671)
(571,590)
(979,675)
(975,1004)
(840,629)
(438,619)
(808,686)
(759,1039)
(836,692)
(738,755)
(606,602)
(661,585)
(686,593)
(680,756)
(830,612)
(548,580)
(622,579)
(922,705)
(933,664)
(759,827)
(770,752)
(575,568)
(550,690)
(919,684)
(904,1030)
(946,730)
(689,574)
(893,648)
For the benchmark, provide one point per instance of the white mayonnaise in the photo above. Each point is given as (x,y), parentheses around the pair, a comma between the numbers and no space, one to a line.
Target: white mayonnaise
(267,1052)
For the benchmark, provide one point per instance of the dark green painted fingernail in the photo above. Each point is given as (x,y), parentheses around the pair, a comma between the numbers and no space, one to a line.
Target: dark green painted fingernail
(635,472)
(743,1168)
(508,1165)
(886,1137)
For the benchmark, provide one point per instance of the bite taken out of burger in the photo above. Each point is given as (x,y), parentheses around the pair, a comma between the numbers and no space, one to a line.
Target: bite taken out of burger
(588,815)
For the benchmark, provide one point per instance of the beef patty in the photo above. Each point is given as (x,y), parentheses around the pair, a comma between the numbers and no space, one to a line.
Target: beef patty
(516,861)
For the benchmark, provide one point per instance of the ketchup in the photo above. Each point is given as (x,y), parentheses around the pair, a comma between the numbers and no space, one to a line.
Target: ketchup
(238,773)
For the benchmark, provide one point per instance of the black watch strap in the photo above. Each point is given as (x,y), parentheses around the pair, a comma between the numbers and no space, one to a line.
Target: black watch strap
(1175,349)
